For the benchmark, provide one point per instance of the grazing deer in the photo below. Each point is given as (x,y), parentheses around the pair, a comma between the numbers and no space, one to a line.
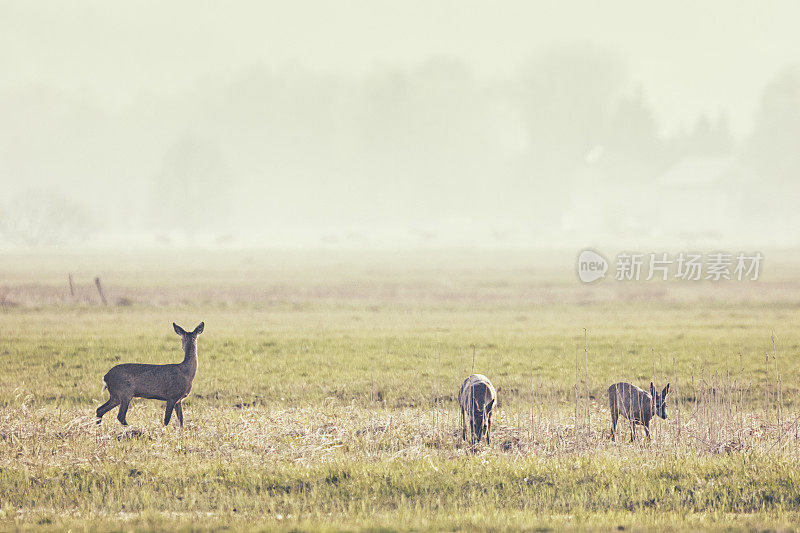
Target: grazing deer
(476,397)
(169,383)
(636,405)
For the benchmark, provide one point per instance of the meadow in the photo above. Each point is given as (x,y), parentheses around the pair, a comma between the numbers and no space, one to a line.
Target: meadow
(326,394)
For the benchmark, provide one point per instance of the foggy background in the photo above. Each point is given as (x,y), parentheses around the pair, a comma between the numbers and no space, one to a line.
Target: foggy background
(399,124)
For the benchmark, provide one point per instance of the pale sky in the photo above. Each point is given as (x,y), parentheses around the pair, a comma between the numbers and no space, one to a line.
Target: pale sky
(690,57)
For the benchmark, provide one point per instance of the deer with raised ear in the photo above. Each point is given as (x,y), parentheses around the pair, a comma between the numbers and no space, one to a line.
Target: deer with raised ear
(169,383)
(638,406)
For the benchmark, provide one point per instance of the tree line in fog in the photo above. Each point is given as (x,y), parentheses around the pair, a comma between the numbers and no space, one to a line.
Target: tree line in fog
(267,149)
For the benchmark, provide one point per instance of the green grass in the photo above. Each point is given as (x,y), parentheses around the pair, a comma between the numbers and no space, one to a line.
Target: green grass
(334,408)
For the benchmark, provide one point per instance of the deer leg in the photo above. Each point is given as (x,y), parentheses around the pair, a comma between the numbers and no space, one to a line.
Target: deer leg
(633,431)
(647,430)
(488,428)
(179,411)
(472,429)
(168,413)
(123,410)
(614,416)
(463,426)
(106,407)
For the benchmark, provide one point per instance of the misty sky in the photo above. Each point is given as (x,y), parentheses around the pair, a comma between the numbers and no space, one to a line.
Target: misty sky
(691,56)
(326,119)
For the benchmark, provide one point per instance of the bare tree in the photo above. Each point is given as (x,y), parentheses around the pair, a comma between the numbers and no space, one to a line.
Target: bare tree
(45,218)
(191,192)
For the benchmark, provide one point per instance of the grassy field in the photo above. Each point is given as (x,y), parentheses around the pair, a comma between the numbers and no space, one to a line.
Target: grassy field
(325,396)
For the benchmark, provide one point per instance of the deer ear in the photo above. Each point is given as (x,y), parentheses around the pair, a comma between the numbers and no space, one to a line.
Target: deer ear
(199,329)
(666,391)
(179,330)
(652,390)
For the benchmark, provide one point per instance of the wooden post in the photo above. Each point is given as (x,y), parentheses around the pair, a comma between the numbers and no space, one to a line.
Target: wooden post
(100,290)
(71,287)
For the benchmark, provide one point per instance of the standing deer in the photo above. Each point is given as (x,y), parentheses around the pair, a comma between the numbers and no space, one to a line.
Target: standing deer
(476,397)
(169,383)
(636,405)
